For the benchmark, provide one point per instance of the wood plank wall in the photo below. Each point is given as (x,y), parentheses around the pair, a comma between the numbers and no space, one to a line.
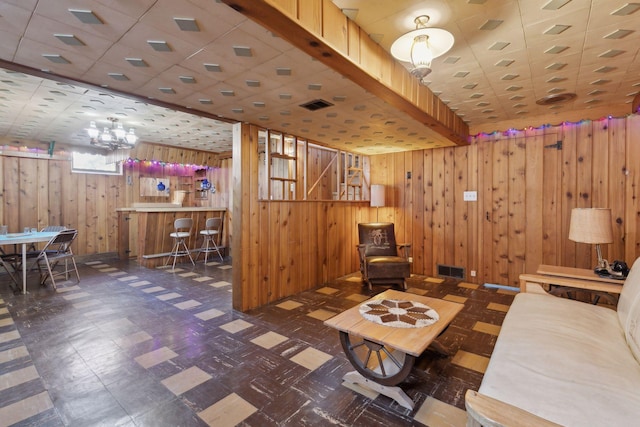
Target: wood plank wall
(521,219)
(41,192)
(286,247)
(526,190)
(37,192)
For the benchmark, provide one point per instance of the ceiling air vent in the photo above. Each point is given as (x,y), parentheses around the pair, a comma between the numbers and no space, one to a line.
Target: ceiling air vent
(556,99)
(316,104)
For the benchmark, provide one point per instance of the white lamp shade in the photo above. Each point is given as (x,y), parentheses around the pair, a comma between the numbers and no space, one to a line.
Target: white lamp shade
(377,195)
(440,42)
(591,225)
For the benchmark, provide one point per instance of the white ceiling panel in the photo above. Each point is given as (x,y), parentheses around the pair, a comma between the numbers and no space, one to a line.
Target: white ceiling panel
(489,76)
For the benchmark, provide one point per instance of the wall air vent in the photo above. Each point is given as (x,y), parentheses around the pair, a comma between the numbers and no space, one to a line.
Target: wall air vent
(450,271)
(316,104)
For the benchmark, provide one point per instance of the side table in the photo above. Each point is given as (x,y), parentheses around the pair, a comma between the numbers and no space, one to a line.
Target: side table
(568,280)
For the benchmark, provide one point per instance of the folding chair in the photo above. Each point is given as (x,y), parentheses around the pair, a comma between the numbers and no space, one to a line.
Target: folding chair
(8,262)
(57,250)
(48,228)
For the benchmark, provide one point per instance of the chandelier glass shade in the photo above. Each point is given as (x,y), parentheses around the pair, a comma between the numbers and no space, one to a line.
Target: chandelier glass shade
(420,46)
(112,138)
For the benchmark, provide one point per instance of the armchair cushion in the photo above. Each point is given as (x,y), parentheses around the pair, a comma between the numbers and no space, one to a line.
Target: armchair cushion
(381,267)
(379,239)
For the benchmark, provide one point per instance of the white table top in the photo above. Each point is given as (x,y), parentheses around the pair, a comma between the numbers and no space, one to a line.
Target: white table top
(20,238)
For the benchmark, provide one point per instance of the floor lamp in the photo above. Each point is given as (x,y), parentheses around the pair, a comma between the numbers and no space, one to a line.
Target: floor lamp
(592,225)
(377,197)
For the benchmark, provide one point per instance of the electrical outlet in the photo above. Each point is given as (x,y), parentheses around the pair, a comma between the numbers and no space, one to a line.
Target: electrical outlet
(410,259)
(473,273)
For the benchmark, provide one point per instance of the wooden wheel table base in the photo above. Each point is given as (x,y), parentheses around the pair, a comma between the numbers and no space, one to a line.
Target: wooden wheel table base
(393,392)
(384,355)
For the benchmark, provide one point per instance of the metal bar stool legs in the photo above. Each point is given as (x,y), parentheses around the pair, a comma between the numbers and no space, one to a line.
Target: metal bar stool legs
(182,232)
(211,233)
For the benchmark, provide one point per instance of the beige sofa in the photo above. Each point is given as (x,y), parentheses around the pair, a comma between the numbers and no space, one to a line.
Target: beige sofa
(559,361)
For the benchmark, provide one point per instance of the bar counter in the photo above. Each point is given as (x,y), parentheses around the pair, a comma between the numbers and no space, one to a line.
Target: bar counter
(143,231)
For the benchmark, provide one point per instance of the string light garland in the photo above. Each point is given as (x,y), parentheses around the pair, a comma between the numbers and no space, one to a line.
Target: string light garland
(512,131)
(130,162)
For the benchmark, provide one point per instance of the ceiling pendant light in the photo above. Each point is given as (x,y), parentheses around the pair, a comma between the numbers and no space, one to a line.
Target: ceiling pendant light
(420,46)
(93,130)
(113,138)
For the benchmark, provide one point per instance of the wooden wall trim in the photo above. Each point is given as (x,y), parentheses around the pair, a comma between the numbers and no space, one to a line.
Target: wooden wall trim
(327,35)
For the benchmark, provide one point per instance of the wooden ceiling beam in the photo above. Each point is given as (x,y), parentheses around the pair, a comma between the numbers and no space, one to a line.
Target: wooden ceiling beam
(320,29)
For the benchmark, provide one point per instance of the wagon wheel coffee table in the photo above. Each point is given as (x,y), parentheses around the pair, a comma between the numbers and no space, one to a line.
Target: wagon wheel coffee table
(383,336)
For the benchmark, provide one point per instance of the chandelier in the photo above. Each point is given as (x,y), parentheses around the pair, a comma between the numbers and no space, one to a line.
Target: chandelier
(113,138)
(420,46)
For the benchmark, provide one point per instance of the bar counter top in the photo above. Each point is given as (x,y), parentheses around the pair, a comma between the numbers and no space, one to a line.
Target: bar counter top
(171,209)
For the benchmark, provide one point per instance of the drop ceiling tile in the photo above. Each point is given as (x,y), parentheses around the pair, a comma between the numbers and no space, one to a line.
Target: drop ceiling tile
(540,67)
(533,12)
(136,39)
(595,37)
(214,20)
(261,52)
(99,75)
(42,28)
(265,36)
(196,62)
(13,18)
(577,21)
(118,53)
(116,21)
(265,84)
(9,45)
(30,52)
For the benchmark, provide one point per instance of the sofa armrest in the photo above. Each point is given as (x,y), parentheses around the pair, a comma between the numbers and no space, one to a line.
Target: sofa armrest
(534,283)
(489,412)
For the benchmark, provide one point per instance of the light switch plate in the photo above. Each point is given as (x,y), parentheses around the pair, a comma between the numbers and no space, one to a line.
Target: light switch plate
(470,196)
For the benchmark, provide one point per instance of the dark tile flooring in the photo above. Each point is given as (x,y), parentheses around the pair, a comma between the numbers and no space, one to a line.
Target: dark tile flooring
(129,346)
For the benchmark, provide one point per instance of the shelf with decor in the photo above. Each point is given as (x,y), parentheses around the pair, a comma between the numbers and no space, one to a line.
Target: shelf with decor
(352,176)
(202,185)
(283,166)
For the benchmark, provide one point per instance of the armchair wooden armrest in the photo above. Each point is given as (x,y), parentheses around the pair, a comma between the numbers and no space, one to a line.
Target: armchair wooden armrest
(489,412)
(404,249)
(361,248)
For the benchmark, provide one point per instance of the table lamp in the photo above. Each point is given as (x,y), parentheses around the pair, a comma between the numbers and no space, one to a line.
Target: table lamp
(377,197)
(592,225)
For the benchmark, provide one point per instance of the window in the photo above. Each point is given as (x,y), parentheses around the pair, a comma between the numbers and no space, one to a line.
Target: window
(94,163)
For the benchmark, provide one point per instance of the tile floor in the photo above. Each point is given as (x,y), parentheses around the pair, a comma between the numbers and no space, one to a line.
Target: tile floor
(129,346)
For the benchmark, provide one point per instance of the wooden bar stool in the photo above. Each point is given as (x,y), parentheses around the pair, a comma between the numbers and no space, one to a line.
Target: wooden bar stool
(182,231)
(211,233)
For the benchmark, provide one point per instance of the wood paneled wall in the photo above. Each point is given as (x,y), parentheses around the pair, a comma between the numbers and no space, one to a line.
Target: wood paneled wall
(43,191)
(285,247)
(526,189)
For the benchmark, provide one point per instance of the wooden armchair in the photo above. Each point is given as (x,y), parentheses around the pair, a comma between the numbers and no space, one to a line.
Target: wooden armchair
(382,260)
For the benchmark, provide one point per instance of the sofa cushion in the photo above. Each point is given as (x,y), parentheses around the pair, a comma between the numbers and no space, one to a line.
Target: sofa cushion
(565,361)
(630,294)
